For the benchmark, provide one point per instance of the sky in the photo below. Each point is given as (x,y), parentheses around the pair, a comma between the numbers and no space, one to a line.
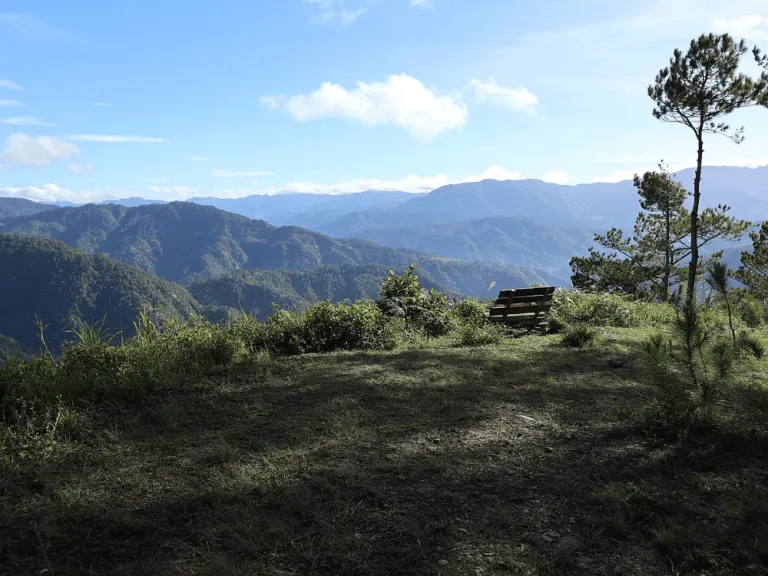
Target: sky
(171,99)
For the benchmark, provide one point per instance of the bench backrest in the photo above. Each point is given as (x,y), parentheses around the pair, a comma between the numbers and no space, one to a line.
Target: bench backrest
(523,306)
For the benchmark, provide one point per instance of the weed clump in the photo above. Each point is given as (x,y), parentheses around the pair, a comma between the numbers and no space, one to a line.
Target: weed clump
(581,336)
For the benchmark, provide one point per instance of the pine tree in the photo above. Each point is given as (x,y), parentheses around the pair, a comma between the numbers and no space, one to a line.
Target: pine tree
(697,90)
(753,272)
(651,263)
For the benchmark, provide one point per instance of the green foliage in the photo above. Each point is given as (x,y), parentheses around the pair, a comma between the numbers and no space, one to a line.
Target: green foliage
(697,90)
(693,370)
(68,291)
(717,279)
(581,336)
(753,272)
(473,334)
(359,326)
(749,309)
(574,307)
(752,343)
(470,311)
(651,263)
(402,296)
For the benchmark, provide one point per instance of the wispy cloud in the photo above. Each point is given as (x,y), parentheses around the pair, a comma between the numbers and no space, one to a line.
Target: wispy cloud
(99,104)
(515,99)
(77,168)
(422,3)
(113,138)
(26,150)
(8,85)
(9,103)
(753,27)
(24,121)
(32,27)
(221,173)
(336,11)
(199,158)
(556,177)
(400,100)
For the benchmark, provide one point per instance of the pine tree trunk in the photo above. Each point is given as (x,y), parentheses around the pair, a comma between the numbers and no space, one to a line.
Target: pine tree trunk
(692,268)
(668,253)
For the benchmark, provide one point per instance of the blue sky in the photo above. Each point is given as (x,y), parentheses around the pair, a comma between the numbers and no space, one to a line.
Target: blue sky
(170,99)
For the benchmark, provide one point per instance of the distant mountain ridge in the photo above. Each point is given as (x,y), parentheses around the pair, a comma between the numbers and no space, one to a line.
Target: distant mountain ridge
(184,242)
(13,207)
(517,222)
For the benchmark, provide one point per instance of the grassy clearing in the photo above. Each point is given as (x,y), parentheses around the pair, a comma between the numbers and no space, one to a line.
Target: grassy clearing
(520,457)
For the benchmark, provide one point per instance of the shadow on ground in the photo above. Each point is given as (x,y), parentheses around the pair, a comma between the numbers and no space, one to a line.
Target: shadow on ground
(507,460)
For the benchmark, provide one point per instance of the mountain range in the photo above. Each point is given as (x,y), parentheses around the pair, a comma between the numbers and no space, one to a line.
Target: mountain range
(182,242)
(68,265)
(515,222)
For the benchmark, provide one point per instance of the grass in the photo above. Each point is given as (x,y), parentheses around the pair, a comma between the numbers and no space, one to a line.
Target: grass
(519,457)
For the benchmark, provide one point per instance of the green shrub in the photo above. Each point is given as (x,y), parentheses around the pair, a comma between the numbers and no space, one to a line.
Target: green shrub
(402,296)
(749,310)
(580,336)
(470,311)
(753,344)
(613,310)
(479,335)
(556,325)
(361,326)
(692,367)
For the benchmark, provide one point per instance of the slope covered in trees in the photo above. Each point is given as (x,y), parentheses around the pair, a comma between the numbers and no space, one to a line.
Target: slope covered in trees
(254,291)
(516,241)
(63,287)
(13,207)
(183,242)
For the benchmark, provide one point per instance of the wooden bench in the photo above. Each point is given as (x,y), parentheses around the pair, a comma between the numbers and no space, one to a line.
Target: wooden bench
(523,308)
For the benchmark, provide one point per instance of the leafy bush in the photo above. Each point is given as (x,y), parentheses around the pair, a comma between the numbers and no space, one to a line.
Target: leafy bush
(752,343)
(361,326)
(402,296)
(580,336)
(749,309)
(479,335)
(470,311)
(574,307)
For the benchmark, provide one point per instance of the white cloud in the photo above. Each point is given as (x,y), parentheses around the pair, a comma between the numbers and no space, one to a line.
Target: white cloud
(170,192)
(198,159)
(753,27)
(401,100)
(77,168)
(24,121)
(100,104)
(220,173)
(159,180)
(515,99)
(113,139)
(8,85)
(676,166)
(422,4)
(411,183)
(40,151)
(9,103)
(336,11)
(556,177)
